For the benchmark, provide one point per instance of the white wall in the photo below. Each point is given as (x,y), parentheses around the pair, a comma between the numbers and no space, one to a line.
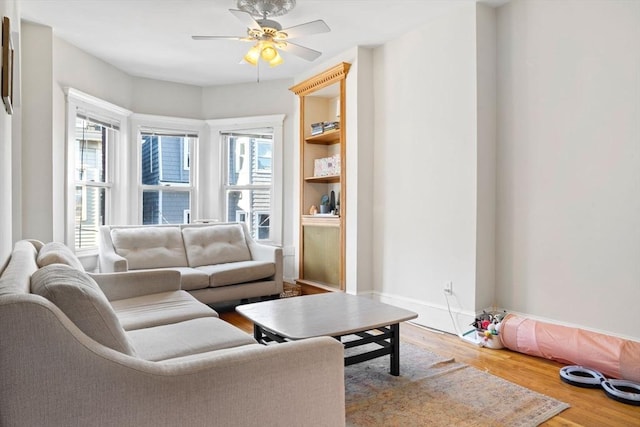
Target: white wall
(486,156)
(8,8)
(568,212)
(77,69)
(37,128)
(360,174)
(166,98)
(425,168)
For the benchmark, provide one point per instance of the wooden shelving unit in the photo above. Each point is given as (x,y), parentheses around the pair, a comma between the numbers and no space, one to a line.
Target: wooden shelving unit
(322,237)
(323,179)
(327,137)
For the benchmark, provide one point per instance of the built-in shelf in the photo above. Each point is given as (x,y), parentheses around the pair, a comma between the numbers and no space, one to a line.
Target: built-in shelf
(323,179)
(328,137)
(322,237)
(321,220)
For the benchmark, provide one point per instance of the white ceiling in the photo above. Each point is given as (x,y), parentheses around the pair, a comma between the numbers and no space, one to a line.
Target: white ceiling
(152,38)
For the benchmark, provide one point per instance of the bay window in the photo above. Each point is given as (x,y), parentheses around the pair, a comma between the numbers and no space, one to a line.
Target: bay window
(166,176)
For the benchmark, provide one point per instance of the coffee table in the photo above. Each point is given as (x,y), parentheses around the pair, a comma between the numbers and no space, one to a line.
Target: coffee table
(333,314)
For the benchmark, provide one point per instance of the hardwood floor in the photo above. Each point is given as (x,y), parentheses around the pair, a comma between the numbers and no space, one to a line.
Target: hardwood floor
(589,407)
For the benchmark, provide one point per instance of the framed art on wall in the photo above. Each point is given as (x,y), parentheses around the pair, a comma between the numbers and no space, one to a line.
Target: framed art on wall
(7,66)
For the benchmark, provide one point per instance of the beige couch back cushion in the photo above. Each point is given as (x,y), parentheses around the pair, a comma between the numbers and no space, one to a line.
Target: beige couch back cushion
(150,247)
(83,302)
(215,244)
(15,276)
(58,253)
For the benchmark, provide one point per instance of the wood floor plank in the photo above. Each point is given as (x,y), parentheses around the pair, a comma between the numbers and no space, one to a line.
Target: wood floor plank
(589,407)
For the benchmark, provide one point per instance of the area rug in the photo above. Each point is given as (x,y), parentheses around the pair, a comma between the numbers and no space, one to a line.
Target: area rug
(435,391)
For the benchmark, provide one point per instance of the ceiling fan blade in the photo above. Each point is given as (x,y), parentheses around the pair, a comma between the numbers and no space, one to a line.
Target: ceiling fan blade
(301,51)
(221,38)
(245,18)
(306,29)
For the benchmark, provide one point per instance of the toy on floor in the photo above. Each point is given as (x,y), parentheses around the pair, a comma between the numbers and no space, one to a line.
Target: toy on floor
(488,329)
(618,389)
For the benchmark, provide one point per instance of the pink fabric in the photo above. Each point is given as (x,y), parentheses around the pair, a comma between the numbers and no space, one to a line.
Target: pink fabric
(613,357)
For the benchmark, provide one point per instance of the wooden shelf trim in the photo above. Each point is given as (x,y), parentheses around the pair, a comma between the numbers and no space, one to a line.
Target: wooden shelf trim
(329,137)
(323,179)
(318,285)
(327,78)
(321,221)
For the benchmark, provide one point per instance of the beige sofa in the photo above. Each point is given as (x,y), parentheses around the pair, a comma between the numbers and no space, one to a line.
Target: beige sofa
(217,262)
(132,349)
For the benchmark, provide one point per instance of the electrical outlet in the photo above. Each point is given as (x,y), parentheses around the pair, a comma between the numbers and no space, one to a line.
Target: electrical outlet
(448,288)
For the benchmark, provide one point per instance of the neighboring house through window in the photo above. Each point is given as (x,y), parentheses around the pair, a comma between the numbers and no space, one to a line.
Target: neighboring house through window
(248,183)
(251,182)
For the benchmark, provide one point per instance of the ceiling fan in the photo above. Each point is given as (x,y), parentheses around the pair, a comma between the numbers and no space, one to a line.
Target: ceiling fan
(267,35)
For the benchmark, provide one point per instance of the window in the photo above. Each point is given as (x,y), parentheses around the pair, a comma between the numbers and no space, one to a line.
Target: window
(264,154)
(262,221)
(249,178)
(166,176)
(93,140)
(92,182)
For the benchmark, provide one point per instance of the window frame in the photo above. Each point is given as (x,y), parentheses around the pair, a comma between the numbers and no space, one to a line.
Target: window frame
(144,123)
(276,122)
(115,176)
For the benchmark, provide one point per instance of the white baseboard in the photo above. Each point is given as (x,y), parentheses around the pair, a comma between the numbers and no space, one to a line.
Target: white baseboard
(434,316)
(430,315)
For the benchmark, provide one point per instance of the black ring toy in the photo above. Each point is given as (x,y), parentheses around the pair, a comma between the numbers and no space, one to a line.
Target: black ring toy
(621,390)
(581,376)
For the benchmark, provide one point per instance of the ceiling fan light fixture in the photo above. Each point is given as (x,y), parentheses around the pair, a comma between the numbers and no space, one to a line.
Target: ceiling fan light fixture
(269,51)
(267,35)
(264,8)
(253,56)
(266,50)
(277,60)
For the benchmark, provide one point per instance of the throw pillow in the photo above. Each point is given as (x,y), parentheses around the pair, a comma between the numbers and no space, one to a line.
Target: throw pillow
(58,253)
(215,244)
(83,302)
(150,247)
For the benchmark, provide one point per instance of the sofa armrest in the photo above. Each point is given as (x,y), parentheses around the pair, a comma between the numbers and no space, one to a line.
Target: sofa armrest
(260,252)
(299,383)
(112,263)
(108,260)
(136,283)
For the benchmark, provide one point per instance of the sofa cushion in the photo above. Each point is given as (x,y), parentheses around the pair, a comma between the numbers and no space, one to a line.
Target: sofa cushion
(159,309)
(58,253)
(238,272)
(150,247)
(190,278)
(186,338)
(16,276)
(81,300)
(215,244)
